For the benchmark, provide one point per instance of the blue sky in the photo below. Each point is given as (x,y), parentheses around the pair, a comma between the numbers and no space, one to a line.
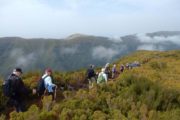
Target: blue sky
(112,18)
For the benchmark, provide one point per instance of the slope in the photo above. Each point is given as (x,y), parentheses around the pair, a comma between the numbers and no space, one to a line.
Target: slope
(151,92)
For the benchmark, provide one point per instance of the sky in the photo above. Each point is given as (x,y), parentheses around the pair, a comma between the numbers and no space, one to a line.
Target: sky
(110,18)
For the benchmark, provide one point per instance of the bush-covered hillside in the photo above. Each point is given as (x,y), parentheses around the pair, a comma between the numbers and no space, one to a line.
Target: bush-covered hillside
(148,92)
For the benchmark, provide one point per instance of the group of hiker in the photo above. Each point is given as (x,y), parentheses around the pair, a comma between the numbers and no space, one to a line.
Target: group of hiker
(107,73)
(15,90)
(102,77)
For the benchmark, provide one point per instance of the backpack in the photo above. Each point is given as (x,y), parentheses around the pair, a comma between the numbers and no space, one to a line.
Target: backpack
(6,88)
(113,70)
(90,73)
(41,86)
(100,79)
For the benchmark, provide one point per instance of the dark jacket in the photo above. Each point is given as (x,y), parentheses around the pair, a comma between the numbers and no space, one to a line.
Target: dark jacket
(90,73)
(17,87)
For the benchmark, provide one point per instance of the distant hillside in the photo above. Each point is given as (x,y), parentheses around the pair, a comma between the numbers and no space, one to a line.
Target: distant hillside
(77,51)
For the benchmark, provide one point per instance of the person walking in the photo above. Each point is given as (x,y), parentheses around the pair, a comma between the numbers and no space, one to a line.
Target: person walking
(16,91)
(102,77)
(122,68)
(107,70)
(114,71)
(50,87)
(91,76)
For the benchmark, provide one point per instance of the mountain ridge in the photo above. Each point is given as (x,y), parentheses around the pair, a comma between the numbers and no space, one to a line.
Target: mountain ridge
(77,53)
(76,35)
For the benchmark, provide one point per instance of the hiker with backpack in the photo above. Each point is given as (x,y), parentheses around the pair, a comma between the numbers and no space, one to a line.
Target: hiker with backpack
(15,90)
(107,70)
(122,68)
(128,66)
(135,64)
(91,76)
(46,85)
(102,77)
(114,72)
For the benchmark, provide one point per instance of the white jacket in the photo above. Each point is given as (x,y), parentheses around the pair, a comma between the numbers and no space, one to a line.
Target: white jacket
(48,83)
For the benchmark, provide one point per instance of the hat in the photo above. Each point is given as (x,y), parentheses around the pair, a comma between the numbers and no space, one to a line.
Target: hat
(103,70)
(91,66)
(18,70)
(49,70)
(107,65)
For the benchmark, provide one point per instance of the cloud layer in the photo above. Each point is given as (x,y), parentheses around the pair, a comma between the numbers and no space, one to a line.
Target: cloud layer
(22,59)
(154,43)
(101,52)
(60,18)
(156,39)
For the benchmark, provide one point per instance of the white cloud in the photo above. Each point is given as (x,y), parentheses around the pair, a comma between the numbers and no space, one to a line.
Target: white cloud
(25,60)
(30,18)
(22,59)
(150,43)
(146,47)
(53,18)
(116,39)
(150,47)
(101,52)
(156,39)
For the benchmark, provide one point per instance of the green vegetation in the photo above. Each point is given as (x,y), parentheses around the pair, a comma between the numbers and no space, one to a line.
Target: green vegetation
(149,92)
